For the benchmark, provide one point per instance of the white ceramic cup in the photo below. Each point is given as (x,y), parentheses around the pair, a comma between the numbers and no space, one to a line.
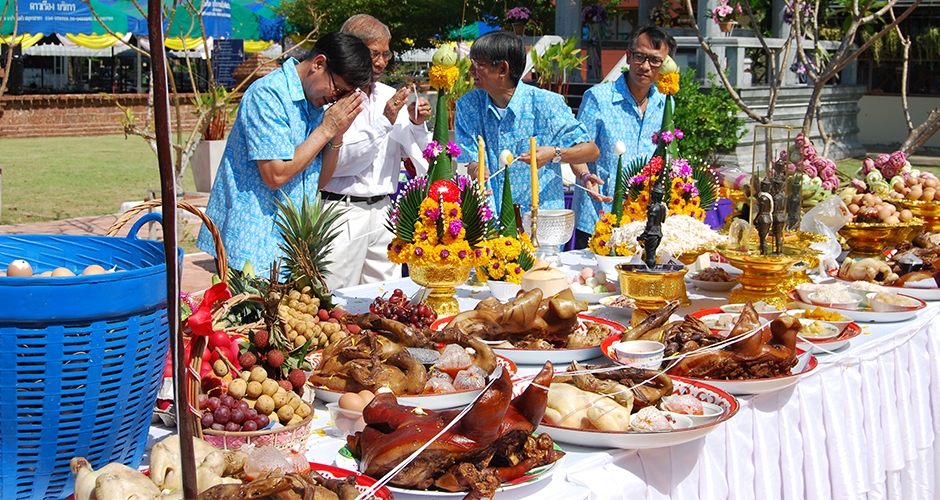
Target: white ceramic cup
(646,354)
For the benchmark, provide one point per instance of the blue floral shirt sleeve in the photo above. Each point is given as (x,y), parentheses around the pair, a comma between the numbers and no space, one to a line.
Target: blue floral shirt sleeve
(610,113)
(273,119)
(532,112)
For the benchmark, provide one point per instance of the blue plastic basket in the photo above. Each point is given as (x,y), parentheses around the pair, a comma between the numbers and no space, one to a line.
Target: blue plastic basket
(81,358)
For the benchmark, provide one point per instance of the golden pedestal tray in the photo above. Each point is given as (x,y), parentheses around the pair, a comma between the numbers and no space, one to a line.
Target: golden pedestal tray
(652,290)
(927,210)
(869,239)
(440,280)
(762,274)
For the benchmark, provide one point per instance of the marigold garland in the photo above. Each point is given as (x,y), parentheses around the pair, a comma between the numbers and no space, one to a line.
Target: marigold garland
(443,77)
(509,258)
(668,83)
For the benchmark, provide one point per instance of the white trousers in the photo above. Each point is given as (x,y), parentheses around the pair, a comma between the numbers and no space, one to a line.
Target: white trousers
(360,251)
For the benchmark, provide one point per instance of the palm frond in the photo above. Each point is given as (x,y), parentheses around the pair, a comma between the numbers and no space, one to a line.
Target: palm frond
(409,204)
(707,185)
(470,204)
(633,169)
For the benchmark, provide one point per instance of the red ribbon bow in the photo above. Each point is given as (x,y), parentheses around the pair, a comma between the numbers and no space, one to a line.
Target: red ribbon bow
(200,321)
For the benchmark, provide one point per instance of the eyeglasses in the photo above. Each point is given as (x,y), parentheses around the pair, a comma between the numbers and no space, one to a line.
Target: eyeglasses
(639,58)
(383,55)
(335,92)
(478,63)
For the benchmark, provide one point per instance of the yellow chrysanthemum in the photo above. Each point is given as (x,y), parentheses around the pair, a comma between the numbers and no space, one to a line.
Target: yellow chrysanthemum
(450,211)
(496,270)
(668,83)
(507,248)
(443,78)
(514,273)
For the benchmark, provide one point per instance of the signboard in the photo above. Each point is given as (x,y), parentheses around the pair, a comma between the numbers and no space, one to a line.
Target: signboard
(227,54)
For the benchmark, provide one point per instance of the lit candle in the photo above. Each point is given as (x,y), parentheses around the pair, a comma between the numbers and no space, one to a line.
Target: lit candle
(481,156)
(535,172)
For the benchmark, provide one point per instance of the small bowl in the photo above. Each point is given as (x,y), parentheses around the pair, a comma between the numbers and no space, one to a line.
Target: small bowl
(804,290)
(850,305)
(646,354)
(344,422)
(504,291)
(711,412)
(840,323)
(879,306)
(827,330)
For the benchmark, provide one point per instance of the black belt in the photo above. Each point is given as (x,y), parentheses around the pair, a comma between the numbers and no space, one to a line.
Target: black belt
(368,200)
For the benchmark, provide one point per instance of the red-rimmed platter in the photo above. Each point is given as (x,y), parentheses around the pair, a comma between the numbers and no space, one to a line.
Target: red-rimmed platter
(740,387)
(865,315)
(923,293)
(429,401)
(646,440)
(558,356)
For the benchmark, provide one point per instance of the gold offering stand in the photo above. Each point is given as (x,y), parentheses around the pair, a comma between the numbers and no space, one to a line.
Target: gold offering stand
(797,272)
(927,210)
(869,239)
(440,280)
(652,289)
(761,274)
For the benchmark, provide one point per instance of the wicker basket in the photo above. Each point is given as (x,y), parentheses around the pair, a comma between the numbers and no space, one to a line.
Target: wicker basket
(283,437)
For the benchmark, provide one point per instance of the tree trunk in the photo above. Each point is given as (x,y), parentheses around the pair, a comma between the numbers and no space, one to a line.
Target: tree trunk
(922,133)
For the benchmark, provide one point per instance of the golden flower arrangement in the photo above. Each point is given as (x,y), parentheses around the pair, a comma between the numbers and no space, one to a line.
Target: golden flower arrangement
(692,189)
(440,219)
(510,254)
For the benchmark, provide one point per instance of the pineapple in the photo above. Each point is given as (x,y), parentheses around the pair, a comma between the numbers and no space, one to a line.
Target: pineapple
(308,235)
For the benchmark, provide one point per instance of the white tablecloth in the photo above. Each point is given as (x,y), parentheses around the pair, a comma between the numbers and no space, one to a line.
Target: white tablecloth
(862,425)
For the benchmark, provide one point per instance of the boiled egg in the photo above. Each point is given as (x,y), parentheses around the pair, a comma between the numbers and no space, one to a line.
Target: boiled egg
(93,269)
(62,271)
(366,396)
(351,401)
(20,268)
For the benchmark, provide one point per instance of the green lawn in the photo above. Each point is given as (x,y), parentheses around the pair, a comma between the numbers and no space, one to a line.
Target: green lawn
(849,167)
(65,177)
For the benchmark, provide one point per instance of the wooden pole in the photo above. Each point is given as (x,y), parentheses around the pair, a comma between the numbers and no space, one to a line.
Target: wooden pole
(161,113)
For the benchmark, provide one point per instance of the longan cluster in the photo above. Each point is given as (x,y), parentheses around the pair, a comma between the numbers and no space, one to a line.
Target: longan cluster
(304,320)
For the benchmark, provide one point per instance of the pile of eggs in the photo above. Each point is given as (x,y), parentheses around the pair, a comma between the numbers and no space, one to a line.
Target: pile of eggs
(591,281)
(924,187)
(870,208)
(23,269)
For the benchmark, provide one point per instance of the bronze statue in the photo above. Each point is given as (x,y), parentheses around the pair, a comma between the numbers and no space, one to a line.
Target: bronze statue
(780,213)
(795,201)
(655,216)
(764,219)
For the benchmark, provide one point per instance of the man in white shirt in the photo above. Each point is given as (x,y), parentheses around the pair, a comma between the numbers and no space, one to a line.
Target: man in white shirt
(369,164)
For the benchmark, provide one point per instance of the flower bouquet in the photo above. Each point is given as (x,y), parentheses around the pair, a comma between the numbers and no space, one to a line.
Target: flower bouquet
(518,15)
(510,254)
(819,178)
(440,222)
(690,189)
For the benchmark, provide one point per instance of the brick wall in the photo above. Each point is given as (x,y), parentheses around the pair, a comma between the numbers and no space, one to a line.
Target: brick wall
(59,115)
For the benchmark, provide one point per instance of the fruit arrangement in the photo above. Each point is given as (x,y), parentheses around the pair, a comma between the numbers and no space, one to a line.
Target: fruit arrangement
(399,308)
(252,400)
(871,208)
(23,269)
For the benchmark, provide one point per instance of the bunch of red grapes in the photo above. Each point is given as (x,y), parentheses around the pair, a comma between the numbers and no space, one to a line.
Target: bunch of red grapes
(223,413)
(399,308)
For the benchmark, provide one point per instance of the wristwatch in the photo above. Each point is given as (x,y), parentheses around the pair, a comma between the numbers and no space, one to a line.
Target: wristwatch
(557,158)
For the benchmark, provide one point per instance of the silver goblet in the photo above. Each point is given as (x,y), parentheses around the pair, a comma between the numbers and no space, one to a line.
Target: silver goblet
(555,228)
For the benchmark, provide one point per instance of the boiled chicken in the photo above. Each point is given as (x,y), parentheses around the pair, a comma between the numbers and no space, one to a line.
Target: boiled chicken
(112,482)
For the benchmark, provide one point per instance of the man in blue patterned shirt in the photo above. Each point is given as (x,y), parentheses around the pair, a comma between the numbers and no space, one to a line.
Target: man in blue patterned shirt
(629,109)
(283,144)
(507,112)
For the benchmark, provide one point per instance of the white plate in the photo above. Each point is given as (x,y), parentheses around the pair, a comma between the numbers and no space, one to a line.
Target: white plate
(345,459)
(710,321)
(556,356)
(761,385)
(714,286)
(609,304)
(864,315)
(647,440)
(927,294)
(593,298)
(711,412)
(830,331)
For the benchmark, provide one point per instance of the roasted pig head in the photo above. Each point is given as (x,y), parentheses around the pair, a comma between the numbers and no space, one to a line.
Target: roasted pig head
(497,425)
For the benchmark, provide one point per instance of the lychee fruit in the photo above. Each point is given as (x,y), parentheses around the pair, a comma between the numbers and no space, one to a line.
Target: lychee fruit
(247,360)
(275,358)
(260,339)
(285,384)
(297,378)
